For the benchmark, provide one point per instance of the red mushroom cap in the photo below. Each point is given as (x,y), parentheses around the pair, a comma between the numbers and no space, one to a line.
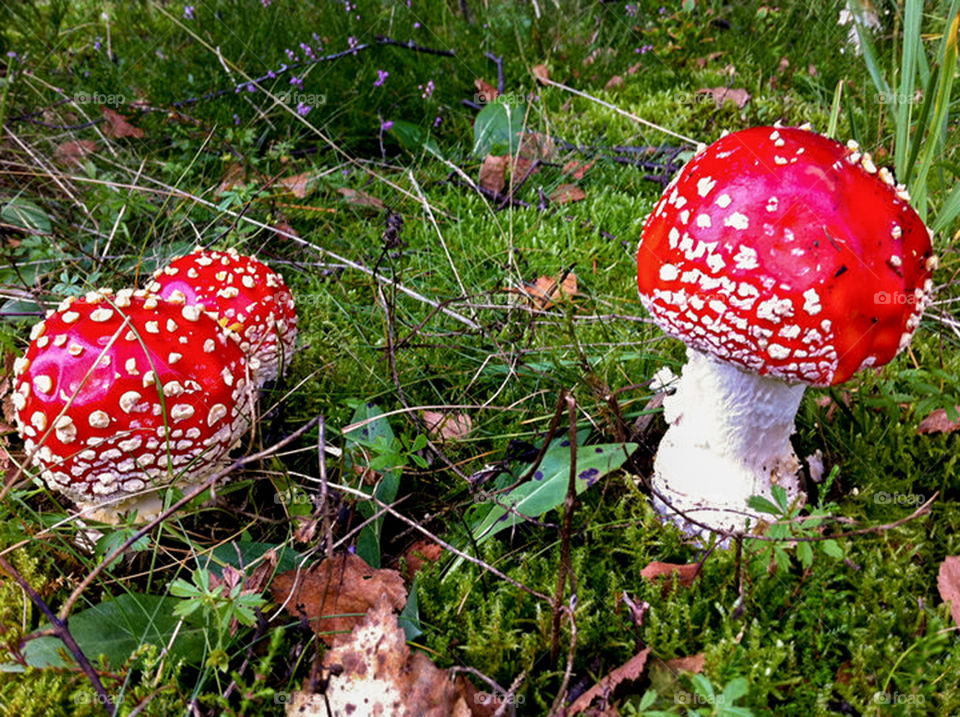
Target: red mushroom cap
(237,289)
(120,392)
(789,254)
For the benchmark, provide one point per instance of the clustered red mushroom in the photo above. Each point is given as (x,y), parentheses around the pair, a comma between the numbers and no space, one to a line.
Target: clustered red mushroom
(119,395)
(241,293)
(782,259)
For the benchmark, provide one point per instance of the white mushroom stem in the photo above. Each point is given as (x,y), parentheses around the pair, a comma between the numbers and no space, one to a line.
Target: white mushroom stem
(729,439)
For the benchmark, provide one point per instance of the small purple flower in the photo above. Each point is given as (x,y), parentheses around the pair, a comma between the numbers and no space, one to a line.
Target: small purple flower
(251,87)
(427,89)
(296,82)
(188,12)
(12,55)
(352,42)
(416,26)
(96,43)
(382,75)
(386,126)
(437,121)
(302,109)
(271,74)
(236,118)
(266,3)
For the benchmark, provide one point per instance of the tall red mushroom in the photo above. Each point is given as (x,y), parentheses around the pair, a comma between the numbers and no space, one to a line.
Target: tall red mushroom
(120,394)
(244,294)
(782,259)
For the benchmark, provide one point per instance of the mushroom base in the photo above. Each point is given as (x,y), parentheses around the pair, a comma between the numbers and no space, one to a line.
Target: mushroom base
(148,505)
(729,439)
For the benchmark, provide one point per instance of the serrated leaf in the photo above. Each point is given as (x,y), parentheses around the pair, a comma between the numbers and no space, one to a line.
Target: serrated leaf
(758,502)
(25,215)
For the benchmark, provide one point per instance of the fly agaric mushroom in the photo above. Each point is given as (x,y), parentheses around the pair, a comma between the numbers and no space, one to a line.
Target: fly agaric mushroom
(243,294)
(782,259)
(120,393)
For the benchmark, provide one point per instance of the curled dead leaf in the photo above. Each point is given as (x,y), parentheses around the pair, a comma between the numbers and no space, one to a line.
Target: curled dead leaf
(663,573)
(117,125)
(360,199)
(447,426)
(299,185)
(576,168)
(486,92)
(334,595)
(541,72)
(948,583)
(721,94)
(419,555)
(693,663)
(938,422)
(630,671)
(567,193)
(493,172)
(546,291)
(74,152)
(614,83)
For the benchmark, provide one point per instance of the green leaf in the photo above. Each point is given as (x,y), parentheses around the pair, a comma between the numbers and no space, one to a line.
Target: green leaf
(414,138)
(548,487)
(409,619)
(805,554)
(735,689)
(25,215)
(497,129)
(117,627)
(758,502)
(832,548)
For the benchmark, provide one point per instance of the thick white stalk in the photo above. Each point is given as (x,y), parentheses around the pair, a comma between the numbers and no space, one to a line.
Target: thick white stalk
(729,439)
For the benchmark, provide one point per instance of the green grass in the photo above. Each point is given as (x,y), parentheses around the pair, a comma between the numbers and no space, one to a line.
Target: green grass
(821,639)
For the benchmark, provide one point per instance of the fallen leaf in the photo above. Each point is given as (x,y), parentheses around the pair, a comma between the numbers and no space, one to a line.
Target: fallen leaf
(693,663)
(334,594)
(595,55)
(285,228)
(419,555)
(722,94)
(545,291)
(486,92)
(576,168)
(117,125)
(938,422)
(493,172)
(567,193)
(234,177)
(536,145)
(541,72)
(306,528)
(628,672)
(663,572)
(447,426)
(948,582)
(360,199)
(702,61)
(75,152)
(520,168)
(614,83)
(373,672)
(634,69)
(299,185)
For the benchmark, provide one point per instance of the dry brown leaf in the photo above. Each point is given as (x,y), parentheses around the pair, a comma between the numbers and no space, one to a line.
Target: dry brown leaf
(117,125)
(299,185)
(334,594)
(493,172)
(541,72)
(545,291)
(419,554)
(285,228)
(722,94)
(948,582)
(75,152)
(576,168)
(234,176)
(306,528)
(664,572)
(567,193)
(702,61)
(373,672)
(447,426)
(630,671)
(938,422)
(536,145)
(634,69)
(614,83)
(693,663)
(360,199)
(486,92)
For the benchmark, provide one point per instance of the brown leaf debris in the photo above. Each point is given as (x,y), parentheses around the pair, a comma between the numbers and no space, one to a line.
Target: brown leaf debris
(948,583)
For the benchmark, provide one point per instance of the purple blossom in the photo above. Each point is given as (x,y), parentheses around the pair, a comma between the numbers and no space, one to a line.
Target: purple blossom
(382,75)
(437,121)
(386,126)
(296,82)
(266,3)
(188,12)
(12,55)
(416,26)
(271,74)
(352,42)
(96,43)
(236,118)
(302,109)
(427,89)
(643,49)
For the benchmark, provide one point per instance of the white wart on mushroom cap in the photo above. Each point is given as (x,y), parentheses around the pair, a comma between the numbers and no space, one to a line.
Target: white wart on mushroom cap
(244,294)
(789,254)
(118,393)
(782,259)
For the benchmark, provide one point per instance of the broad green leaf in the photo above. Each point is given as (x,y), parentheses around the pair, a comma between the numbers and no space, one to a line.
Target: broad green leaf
(832,548)
(414,138)
(548,487)
(26,215)
(497,129)
(409,619)
(117,627)
(758,502)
